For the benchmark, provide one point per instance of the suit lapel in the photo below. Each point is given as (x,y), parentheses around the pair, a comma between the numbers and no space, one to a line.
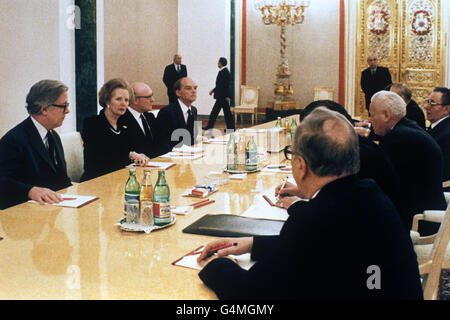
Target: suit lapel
(37,144)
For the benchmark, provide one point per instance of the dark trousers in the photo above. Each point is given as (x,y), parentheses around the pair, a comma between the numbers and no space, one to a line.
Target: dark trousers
(221,104)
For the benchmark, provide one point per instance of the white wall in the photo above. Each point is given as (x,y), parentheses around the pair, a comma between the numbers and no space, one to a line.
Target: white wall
(203,37)
(35,45)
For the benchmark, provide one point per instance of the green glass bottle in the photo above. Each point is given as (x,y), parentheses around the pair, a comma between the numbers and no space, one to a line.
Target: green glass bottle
(278,125)
(293,127)
(231,153)
(131,200)
(251,160)
(161,201)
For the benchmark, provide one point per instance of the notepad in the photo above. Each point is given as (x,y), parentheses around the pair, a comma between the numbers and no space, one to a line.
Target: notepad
(176,155)
(72,201)
(159,165)
(190,261)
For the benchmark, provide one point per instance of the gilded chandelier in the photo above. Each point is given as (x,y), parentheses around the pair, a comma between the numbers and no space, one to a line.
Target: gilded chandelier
(282,13)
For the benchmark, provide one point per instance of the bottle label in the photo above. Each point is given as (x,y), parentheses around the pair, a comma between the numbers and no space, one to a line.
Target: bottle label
(161,210)
(252,161)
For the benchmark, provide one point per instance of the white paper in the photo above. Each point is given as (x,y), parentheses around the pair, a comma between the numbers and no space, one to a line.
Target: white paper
(238,176)
(190,261)
(77,201)
(187,149)
(176,155)
(160,165)
(268,212)
(182,210)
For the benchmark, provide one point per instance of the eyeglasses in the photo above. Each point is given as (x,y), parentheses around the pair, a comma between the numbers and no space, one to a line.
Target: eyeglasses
(63,106)
(145,97)
(432,103)
(287,152)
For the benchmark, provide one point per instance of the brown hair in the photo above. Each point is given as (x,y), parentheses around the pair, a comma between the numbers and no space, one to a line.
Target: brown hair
(107,89)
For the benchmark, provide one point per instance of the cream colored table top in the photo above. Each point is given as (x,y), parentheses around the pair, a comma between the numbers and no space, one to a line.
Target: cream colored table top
(51,252)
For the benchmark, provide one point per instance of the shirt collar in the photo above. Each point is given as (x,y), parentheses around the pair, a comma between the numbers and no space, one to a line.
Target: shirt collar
(135,114)
(437,122)
(40,128)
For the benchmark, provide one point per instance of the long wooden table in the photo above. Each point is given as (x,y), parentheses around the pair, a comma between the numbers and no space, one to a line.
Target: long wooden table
(51,252)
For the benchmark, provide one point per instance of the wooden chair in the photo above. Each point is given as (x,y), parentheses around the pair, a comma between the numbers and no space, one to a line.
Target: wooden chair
(73,152)
(323,93)
(248,103)
(446,184)
(438,258)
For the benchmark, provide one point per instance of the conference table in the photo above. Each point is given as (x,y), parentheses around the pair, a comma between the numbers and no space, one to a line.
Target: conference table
(52,252)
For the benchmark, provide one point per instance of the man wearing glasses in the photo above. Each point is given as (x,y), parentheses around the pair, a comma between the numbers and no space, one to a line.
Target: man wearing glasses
(336,210)
(141,123)
(32,164)
(437,108)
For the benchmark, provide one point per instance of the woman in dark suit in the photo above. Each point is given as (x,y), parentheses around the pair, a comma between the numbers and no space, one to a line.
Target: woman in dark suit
(107,143)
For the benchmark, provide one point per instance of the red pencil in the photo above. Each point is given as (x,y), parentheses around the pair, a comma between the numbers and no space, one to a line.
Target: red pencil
(67,199)
(216,249)
(204,204)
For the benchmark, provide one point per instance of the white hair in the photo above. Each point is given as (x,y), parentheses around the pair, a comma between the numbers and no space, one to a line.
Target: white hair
(392,101)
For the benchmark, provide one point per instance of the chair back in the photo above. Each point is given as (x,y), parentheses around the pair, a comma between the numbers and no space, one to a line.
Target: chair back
(73,152)
(323,93)
(432,268)
(249,96)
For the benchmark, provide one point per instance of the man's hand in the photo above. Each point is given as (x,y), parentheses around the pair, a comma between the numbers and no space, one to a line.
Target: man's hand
(289,189)
(210,252)
(44,195)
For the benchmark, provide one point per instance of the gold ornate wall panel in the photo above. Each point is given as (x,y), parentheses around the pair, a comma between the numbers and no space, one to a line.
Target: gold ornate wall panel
(407,38)
(422,63)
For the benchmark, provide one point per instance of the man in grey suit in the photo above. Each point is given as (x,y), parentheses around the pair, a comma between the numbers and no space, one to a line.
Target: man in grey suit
(32,164)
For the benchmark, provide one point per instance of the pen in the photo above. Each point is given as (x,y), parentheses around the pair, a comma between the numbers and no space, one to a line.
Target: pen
(276,166)
(204,204)
(217,249)
(282,187)
(198,202)
(68,199)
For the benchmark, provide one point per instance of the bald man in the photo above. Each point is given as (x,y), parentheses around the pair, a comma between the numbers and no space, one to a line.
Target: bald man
(140,122)
(375,78)
(332,202)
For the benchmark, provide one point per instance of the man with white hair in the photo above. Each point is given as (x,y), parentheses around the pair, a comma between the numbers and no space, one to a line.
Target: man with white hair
(416,157)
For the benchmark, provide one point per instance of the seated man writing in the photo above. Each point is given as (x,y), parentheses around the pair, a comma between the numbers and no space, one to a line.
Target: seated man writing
(346,241)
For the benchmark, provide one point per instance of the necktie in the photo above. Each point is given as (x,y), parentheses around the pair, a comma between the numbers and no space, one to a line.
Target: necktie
(178,68)
(51,147)
(148,132)
(190,125)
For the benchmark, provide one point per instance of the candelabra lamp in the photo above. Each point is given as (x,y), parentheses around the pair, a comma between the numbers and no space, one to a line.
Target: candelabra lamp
(282,13)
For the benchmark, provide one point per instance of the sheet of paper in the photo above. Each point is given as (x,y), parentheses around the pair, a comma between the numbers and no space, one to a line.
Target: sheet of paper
(175,155)
(268,212)
(190,261)
(182,210)
(72,200)
(159,165)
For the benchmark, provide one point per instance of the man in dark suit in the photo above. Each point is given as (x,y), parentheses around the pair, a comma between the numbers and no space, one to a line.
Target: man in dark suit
(330,246)
(375,78)
(437,108)
(32,164)
(141,123)
(416,157)
(413,111)
(222,94)
(172,73)
(177,120)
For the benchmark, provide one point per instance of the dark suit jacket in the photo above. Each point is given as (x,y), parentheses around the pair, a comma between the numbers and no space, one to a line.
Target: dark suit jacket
(223,81)
(415,113)
(139,141)
(104,150)
(372,84)
(324,251)
(25,163)
(376,165)
(171,76)
(441,133)
(417,160)
(169,119)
